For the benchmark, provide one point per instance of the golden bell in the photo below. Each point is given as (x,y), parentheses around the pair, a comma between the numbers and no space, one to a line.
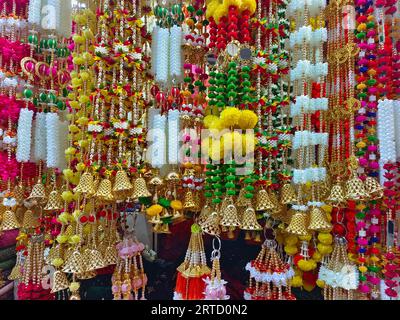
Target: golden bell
(278,207)
(19,214)
(9,222)
(242,201)
(111,255)
(74,263)
(355,189)
(230,217)
(336,197)
(204,214)
(188,203)
(373,188)
(249,220)
(15,272)
(95,260)
(18,193)
(38,192)
(60,281)
(122,182)
(288,195)
(54,202)
(263,202)
(86,184)
(318,220)
(104,192)
(211,225)
(297,225)
(29,221)
(140,189)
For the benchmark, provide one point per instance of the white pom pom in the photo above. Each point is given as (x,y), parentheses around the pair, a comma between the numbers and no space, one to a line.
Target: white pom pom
(53,140)
(24,134)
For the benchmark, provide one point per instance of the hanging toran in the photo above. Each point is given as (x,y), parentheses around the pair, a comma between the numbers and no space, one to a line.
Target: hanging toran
(273,121)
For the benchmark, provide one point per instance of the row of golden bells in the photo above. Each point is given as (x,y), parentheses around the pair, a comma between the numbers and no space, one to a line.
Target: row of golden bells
(10,220)
(355,189)
(122,188)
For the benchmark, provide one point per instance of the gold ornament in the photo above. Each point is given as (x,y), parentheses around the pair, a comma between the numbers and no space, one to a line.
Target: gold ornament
(15,273)
(263,202)
(86,184)
(373,188)
(95,260)
(38,192)
(249,221)
(111,255)
(298,223)
(242,201)
(230,217)
(318,220)
(288,195)
(122,183)
(211,225)
(19,193)
(104,192)
(9,221)
(140,189)
(29,221)
(54,202)
(60,282)
(336,197)
(204,214)
(355,189)
(188,202)
(74,263)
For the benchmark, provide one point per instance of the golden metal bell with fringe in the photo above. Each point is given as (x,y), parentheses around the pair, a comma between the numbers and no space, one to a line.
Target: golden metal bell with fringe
(9,221)
(336,197)
(355,189)
(373,188)
(74,263)
(211,225)
(38,192)
(30,221)
(249,221)
(54,202)
(230,217)
(318,220)
(298,224)
(140,189)
(263,202)
(60,282)
(104,192)
(288,195)
(122,183)
(86,184)
(95,260)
